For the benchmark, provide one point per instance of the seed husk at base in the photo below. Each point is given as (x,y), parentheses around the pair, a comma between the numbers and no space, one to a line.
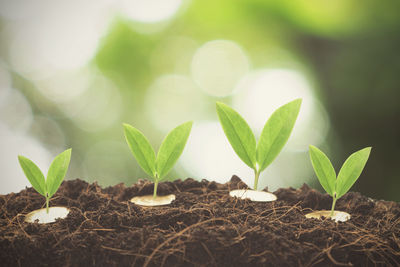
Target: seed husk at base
(150,201)
(253,195)
(41,215)
(338,216)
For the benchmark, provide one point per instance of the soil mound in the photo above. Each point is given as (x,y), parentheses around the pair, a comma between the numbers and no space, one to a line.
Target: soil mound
(203,226)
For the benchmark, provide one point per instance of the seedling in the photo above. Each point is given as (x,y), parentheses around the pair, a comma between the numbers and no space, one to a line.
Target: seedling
(170,150)
(336,187)
(273,137)
(48,187)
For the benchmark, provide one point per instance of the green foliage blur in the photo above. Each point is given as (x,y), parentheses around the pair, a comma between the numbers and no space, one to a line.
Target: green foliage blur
(349,48)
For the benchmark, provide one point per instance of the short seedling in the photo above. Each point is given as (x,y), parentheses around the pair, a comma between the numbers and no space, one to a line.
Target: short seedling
(170,150)
(48,187)
(273,137)
(337,187)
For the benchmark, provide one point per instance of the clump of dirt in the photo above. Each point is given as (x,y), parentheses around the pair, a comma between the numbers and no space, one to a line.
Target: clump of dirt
(203,226)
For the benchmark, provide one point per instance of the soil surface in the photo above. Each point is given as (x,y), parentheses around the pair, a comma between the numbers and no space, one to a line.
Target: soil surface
(204,226)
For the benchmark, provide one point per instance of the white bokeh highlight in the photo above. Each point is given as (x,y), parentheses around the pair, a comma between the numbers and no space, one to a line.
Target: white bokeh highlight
(209,155)
(217,66)
(45,39)
(149,11)
(172,100)
(261,92)
(44,36)
(65,86)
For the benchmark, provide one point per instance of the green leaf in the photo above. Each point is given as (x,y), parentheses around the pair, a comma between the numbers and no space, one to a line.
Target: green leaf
(141,149)
(323,168)
(238,133)
(351,170)
(171,148)
(276,132)
(57,171)
(34,175)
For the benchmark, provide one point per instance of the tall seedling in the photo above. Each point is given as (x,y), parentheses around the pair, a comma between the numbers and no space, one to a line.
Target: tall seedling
(273,137)
(170,150)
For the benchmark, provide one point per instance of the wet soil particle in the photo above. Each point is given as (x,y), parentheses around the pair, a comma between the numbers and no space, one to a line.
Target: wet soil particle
(202,227)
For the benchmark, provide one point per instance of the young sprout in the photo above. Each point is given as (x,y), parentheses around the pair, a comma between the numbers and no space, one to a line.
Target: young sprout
(273,137)
(55,175)
(170,150)
(348,174)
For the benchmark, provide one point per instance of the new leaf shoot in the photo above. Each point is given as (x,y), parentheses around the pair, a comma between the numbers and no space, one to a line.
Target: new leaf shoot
(55,175)
(348,174)
(273,137)
(170,150)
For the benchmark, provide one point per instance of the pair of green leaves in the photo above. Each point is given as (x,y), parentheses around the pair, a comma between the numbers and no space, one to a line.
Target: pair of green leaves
(169,152)
(55,175)
(273,137)
(348,174)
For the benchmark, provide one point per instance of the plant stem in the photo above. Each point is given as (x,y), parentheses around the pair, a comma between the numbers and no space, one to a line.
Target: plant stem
(155,189)
(257,174)
(47,204)
(333,204)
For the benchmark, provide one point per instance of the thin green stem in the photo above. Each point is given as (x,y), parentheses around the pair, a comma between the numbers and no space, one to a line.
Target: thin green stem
(155,189)
(47,204)
(333,204)
(257,175)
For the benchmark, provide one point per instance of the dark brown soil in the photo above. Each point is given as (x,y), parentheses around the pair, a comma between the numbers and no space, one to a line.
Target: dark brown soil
(203,227)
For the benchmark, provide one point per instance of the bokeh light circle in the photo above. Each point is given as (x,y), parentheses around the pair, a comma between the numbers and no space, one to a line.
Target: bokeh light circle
(209,155)
(56,42)
(67,85)
(217,66)
(260,93)
(172,100)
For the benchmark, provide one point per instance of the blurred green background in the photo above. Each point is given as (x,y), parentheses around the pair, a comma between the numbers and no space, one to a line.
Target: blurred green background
(71,72)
